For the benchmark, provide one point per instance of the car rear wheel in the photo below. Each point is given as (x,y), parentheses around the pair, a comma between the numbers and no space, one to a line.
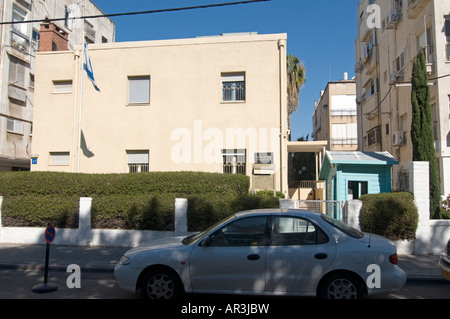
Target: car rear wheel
(341,286)
(160,284)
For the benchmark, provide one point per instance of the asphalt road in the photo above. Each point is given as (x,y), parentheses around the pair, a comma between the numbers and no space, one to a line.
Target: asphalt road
(18,284)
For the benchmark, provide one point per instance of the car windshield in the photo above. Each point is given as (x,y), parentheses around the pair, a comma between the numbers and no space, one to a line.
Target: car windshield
(346,229)
(193,238)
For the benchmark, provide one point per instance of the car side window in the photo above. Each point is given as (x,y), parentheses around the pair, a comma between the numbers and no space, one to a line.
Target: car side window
(248,231)
(292,231)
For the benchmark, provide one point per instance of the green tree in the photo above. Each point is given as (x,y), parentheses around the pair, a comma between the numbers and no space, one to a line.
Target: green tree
(295,79)
(422,130)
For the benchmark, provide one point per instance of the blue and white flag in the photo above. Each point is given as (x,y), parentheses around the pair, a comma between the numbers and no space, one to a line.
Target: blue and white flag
(88,67)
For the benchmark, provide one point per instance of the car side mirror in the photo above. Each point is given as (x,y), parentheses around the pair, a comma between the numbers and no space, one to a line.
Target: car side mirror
(205,242)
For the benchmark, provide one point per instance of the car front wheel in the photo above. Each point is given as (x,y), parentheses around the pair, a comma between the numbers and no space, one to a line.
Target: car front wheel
(160,284)
(341,286)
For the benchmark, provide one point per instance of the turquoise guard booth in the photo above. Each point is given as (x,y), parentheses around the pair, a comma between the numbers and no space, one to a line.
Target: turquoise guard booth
(348,175)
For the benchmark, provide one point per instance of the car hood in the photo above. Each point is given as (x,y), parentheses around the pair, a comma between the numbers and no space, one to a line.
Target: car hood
(157,244)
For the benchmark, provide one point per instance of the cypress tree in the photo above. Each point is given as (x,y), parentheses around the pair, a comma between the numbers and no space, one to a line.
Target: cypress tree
(422,129)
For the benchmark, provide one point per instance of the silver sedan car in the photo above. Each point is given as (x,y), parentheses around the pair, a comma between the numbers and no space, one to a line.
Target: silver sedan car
(276,251)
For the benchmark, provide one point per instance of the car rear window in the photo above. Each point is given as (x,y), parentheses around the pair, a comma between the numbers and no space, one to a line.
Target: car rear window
(346,229)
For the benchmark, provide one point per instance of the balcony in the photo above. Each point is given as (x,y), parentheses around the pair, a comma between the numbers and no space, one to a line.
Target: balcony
(393,19)
(415,7)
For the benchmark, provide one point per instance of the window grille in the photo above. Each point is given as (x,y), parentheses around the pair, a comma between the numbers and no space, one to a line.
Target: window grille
(233,87)
(234,161)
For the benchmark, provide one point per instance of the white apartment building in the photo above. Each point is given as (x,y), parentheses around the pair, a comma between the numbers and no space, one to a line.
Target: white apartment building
(19,45)
(390,35)
(334,118)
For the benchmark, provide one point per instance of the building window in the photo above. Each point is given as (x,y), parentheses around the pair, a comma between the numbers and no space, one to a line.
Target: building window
(17,69)
(62,86)
(14,126)
(400,62)
(447,34)
(356,189)
(139,89)
(233,87)
(372,88)
(68,18)
(59,158)
(234,161)
(344,134)
(19,36)
(449,106)
(138,161)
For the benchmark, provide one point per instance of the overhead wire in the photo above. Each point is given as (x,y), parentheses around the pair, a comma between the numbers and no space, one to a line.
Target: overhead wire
(137,12)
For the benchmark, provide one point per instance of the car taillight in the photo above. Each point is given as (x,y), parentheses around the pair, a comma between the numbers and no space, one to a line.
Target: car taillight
(393,259)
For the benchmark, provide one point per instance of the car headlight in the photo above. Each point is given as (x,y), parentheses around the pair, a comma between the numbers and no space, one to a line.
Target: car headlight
(124,260)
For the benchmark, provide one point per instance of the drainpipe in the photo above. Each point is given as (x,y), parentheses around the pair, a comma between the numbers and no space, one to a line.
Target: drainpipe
(283,110)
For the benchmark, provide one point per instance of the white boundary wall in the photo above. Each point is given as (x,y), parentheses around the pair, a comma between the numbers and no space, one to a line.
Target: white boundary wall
(85,236)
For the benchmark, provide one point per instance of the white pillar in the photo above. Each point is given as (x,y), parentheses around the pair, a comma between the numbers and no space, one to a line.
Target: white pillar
(84,222)
(419,185)
(181,205)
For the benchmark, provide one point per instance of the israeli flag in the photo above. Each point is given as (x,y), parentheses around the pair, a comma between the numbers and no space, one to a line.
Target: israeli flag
(88,67)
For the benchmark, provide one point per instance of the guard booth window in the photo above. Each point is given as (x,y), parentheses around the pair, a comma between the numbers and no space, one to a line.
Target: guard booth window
(356,189)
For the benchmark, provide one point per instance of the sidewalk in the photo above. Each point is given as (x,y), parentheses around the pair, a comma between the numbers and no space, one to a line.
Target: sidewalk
(30,257)
(103,259)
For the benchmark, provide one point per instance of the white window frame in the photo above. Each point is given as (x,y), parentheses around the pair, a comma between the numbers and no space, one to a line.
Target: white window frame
(138,161)
(234,161)
(139,87)
(59,158)
(17,71)
(14,126)
(233,87)
(62,86)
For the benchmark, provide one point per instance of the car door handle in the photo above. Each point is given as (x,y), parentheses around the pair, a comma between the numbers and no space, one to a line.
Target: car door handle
(253,257)
(320,256)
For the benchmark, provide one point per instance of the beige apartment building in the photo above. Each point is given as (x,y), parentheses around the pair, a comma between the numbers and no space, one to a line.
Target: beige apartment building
(390,35)
(19,44)
(334,118)
(211,104)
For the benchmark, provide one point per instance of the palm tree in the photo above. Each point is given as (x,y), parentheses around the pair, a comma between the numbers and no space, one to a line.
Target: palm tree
(295,80)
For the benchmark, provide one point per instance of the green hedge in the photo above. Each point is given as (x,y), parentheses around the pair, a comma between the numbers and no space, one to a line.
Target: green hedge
(124,201)
(392,215)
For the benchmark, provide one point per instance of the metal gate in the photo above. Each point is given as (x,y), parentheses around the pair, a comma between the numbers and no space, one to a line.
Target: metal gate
(333,208)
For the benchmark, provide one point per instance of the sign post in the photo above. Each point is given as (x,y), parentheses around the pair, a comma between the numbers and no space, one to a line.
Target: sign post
(49,236)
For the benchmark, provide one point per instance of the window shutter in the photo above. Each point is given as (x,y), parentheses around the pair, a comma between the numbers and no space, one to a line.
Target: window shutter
(139,89)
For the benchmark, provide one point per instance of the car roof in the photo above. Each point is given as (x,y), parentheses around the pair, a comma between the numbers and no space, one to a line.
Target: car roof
(276,211)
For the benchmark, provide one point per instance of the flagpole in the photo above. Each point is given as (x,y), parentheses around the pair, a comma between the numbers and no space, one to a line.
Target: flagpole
(80,108)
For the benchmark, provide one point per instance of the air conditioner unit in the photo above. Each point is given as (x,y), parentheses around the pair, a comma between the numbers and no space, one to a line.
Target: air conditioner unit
(398,138)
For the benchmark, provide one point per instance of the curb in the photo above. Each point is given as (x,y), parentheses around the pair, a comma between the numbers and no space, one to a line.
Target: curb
(427,278)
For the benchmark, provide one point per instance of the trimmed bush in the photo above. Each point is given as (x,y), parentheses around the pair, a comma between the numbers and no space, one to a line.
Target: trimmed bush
(392,215)
(124,201)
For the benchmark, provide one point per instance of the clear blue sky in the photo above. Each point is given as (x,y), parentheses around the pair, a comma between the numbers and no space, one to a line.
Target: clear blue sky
(321,33)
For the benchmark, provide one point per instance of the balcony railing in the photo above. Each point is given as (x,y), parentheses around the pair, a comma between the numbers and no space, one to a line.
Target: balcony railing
(233,91)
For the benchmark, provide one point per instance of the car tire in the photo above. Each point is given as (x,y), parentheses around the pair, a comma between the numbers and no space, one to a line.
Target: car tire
(160,284)
(340,286)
